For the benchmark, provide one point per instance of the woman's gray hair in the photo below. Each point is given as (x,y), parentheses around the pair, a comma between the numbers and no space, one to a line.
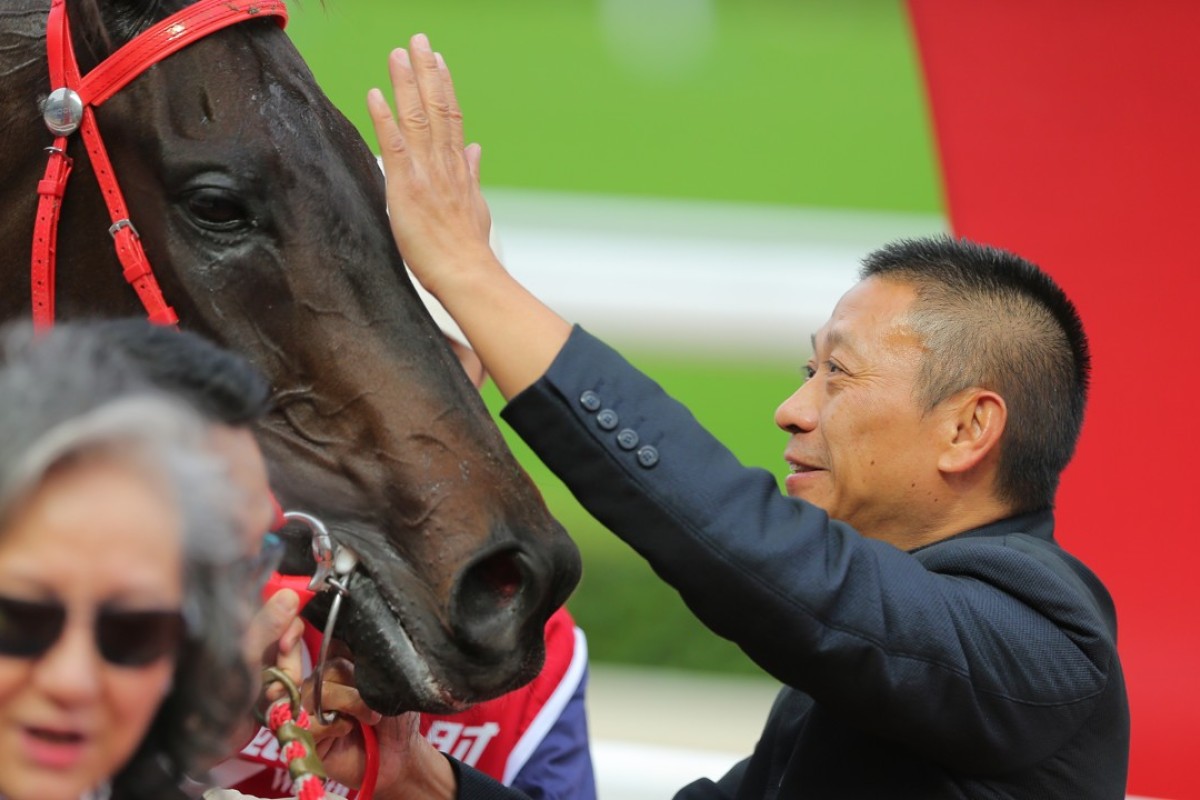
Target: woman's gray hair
(160,437)
(67,401)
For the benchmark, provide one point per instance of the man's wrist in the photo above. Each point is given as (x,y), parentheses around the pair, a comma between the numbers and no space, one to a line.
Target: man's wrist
(429,777)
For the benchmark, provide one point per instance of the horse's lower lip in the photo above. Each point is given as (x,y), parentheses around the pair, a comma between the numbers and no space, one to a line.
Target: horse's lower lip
(375,625)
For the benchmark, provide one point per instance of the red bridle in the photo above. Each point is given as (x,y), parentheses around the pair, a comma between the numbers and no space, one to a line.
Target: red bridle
(71,106)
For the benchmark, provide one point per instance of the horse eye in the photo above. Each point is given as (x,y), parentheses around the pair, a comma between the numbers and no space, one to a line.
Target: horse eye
(218,210)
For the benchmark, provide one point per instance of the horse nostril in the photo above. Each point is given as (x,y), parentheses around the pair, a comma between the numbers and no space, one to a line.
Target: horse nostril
(502,575)
(492,582)
(490,602)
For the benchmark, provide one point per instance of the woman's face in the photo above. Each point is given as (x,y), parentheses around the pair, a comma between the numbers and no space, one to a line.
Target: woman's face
(96,536)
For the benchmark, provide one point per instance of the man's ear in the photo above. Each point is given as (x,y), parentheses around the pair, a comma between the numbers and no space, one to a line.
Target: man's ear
(975,422)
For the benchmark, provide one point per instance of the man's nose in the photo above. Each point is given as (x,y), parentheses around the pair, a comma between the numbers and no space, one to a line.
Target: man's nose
(798,413)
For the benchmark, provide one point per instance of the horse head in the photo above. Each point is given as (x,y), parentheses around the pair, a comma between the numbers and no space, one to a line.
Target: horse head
(262,212)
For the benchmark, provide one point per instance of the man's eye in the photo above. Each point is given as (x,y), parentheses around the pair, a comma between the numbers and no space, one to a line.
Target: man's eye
(809,372)
(832,367)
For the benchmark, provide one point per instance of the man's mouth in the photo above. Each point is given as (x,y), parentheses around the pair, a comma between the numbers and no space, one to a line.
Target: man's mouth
(796,467)
(800,477)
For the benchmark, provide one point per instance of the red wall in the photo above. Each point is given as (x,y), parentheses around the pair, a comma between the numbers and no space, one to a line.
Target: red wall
(1069,132)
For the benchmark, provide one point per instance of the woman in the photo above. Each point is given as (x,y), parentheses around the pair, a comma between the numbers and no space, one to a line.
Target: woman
(120,620)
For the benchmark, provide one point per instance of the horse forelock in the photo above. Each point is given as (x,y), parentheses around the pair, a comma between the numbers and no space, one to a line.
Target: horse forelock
(101,26)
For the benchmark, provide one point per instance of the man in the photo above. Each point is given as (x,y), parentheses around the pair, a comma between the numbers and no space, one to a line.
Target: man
(933,639)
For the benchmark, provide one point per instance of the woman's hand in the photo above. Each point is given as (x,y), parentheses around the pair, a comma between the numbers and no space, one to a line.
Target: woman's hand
(272,639)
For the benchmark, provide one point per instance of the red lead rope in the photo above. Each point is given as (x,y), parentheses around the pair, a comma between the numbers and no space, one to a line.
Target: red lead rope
(298,748)
(71,106)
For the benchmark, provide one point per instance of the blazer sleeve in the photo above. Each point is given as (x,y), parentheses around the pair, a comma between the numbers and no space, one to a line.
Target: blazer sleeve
(982,655)
(475,785)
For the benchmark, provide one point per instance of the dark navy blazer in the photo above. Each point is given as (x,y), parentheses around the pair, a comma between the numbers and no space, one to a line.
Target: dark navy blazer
(983,666)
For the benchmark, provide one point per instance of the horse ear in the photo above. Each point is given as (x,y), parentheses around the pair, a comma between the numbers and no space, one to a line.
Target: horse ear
(101,26)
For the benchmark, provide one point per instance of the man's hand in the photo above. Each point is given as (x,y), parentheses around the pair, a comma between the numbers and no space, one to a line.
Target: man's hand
(340,698)
(438,215)
(409,766)
(441,222)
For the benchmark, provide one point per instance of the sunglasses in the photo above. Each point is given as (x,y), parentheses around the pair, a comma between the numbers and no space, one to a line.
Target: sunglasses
(28,629)
(253,573)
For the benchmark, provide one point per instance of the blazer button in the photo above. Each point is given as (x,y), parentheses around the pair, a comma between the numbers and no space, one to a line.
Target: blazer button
(647,456)
(627,439)
(590,401)
(607,419)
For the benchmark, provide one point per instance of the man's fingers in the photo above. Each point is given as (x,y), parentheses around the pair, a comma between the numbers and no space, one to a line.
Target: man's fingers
(427,111)
(347,702)
(393,152)
(327,732)
(430,81)
(406,94)
(408,129)
(454,126)
(339,695)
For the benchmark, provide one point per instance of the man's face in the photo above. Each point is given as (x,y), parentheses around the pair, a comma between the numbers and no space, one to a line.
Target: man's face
(861,448)
(248,471)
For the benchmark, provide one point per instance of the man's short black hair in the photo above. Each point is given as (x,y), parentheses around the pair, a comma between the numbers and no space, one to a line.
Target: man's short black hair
(993,320)
(219,383)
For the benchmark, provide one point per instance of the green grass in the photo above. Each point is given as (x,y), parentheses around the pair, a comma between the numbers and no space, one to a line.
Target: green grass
(799,102)
(629,615)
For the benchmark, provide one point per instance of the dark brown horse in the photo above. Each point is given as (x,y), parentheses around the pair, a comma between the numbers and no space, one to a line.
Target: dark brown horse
(262,212)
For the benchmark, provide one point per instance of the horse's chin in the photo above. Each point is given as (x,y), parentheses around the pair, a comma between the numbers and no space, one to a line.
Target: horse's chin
(410,670)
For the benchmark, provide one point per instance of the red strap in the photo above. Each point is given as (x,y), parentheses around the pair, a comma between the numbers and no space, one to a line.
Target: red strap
(45,233)
(59,52)
(63,72)
(125,239)
(297,583)
(169,36)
